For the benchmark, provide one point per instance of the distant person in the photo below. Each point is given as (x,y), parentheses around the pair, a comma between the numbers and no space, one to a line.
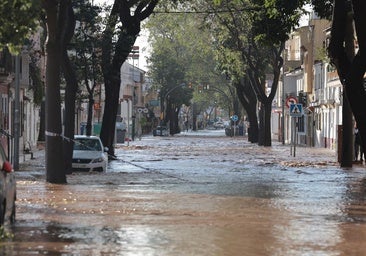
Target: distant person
(186,125)
(358,146)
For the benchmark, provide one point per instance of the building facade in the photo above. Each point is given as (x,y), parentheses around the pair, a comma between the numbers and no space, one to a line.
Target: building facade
(17,99)
(312,81)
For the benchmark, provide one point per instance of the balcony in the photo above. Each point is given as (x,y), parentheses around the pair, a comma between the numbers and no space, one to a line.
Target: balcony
(332,75)
(5,77)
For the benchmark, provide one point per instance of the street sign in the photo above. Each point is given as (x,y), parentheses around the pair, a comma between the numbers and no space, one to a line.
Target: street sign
(296,110)
(154,103)
(291,100)
(143,110)
(235,118)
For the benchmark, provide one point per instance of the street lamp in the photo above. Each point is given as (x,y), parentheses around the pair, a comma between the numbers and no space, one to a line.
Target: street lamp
(166,97)
(135,56)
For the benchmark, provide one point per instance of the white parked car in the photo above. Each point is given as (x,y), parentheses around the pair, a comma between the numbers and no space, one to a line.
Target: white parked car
(219,125)
(89,154)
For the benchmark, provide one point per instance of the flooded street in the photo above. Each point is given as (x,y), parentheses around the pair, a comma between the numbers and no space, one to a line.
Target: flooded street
(195,194)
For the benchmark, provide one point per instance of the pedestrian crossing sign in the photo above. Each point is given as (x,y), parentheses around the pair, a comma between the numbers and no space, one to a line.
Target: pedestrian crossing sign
(296,110)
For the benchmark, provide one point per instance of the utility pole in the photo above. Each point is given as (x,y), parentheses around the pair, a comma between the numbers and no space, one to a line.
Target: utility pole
(16,113)
(135,56)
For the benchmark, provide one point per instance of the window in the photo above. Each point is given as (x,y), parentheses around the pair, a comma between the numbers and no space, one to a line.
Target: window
(318,121)
(301,124)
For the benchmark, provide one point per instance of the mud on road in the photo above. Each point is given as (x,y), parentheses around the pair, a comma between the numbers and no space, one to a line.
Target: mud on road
(194,196)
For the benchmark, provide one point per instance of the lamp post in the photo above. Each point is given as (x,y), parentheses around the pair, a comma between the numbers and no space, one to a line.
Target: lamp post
(17,113)
(166,97)
(216,89)
(135,56)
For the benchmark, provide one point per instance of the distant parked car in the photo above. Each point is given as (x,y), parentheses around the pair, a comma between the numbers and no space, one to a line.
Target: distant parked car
(89,154)
(7,189)
(219,125)
(160,131)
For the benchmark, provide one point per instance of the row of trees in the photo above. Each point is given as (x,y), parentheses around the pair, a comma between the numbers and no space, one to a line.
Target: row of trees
(238,40)
(247,39)
(118,35)
(121,29)
(182,55)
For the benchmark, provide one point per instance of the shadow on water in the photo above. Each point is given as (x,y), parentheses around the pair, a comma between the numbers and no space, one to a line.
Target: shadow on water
(36,237)
(51,238)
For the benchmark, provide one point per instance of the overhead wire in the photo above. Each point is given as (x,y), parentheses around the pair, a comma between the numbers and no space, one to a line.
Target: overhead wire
(208,12)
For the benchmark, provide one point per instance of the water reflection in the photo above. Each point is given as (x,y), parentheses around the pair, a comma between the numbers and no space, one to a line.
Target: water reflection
(296,218)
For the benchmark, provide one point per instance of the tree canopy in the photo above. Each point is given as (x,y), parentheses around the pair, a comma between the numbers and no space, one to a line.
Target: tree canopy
(18,19)
(183,50)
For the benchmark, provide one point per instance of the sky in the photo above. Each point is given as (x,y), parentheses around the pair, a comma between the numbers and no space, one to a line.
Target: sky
(141,41)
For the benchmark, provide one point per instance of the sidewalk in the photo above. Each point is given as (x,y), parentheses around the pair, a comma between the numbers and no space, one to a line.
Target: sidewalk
(36,154)
(284,154)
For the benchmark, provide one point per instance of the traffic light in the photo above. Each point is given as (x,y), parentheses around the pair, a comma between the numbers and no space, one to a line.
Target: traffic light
(200,88)
(303,99)
(190,86)
(206,87)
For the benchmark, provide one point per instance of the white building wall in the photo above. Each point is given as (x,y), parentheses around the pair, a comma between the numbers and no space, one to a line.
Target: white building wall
(31,122)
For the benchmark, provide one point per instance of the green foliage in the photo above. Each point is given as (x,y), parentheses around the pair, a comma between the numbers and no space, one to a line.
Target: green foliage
(18,19)
(274,23)
(290,10)
(170,55)
(86,44)
(183,51)
(37,83)
(322,54)
(323,8)
(5,234)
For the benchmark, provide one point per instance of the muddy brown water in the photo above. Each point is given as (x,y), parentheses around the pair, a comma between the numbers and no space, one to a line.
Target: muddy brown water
(272,206)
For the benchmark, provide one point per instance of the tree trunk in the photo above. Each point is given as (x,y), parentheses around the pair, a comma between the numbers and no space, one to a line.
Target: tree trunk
(112,86)
(350,71)
(42,122)
(112,59)
(257,81)
(90,90)
(261,134)
(89,122)
(248,100)
(347,118)
(194,117)
(112,81)
(267,123)
(170,119)
(111,71)
(176,120)
(356,91)
(55,167)
(253,129)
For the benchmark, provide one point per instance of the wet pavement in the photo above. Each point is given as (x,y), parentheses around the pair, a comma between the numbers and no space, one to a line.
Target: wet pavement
(194,194)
